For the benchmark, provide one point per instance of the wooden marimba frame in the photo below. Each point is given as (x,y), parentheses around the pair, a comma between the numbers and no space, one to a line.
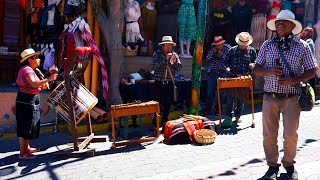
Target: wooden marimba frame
(242,81)
(134,109)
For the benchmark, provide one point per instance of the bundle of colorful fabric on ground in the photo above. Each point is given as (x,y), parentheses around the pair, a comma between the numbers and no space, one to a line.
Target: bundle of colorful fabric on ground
(181,131)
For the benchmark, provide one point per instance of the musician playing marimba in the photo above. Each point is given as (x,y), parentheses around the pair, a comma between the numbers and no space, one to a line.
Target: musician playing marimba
(237,62)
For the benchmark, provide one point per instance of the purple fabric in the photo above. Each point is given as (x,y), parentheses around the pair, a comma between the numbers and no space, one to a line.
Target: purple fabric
(87,36)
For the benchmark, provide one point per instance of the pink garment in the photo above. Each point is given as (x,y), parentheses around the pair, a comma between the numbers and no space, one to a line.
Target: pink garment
(22,82)
(87,36)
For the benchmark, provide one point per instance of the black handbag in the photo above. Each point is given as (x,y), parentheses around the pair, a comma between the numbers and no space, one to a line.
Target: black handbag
(307,95)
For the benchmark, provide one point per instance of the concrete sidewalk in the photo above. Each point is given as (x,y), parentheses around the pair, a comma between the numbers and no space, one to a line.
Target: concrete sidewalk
(236,154)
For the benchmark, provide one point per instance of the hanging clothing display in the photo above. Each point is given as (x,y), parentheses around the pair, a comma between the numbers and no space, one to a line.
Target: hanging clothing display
(132,14)
(261,6)
(317,45)
(187,21)
(309,12)
(167,19)
(286,4)
(49,59)
(87,36)
(242,16)
(258,30)
(275,9)
(220,24)
(298,11)
(149,19)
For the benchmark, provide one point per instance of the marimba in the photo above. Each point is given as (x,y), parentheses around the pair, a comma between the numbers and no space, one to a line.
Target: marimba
(135,108)
(242,81)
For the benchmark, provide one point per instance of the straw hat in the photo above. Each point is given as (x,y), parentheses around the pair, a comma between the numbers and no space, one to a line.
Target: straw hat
(27,53)
(244,39)
(218,40)
(288,16)
(167,40)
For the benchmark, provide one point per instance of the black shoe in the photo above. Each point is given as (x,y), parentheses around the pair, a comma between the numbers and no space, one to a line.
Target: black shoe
(271,173)
(292,172)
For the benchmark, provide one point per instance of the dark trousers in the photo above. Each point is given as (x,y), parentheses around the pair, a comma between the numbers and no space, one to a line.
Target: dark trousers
(164,95)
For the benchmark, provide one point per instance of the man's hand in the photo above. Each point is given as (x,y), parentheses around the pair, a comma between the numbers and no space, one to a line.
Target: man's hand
(251,65)
(286,81)
(172,57)
(276,70)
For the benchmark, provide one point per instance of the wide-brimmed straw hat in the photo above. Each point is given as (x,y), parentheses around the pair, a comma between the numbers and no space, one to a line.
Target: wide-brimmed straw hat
(27,53)
(167,40)
(288,16)
(244,39)
(218,40)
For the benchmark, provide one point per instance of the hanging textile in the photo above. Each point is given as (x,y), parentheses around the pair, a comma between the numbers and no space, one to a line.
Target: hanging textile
(87,36)
(258,29)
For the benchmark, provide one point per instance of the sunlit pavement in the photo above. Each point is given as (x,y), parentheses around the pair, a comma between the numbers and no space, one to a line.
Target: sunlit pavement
(236,154)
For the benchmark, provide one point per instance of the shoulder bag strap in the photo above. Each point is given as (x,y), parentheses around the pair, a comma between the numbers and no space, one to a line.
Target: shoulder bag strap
(284,60)
(171,76)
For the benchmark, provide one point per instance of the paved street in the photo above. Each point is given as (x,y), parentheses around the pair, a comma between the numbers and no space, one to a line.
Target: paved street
(236,154)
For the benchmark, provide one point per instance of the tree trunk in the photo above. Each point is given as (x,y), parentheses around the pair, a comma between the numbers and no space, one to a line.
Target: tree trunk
(111,29)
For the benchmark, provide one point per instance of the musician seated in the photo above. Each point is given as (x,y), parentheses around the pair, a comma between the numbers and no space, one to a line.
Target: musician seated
(238,61)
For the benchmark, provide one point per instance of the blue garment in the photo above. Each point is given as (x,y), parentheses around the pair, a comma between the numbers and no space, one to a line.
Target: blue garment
(238,107)
(312,46)
(241,16)
(286,4)
(238,60)
(298,11)
(211,91)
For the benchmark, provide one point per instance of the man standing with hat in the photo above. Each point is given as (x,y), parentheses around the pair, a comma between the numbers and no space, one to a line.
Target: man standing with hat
(216,69)
(237,62)
(165,64)
(280,95)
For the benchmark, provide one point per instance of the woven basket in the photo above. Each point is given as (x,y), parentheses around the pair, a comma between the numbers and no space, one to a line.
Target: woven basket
(127,52)
(205,136)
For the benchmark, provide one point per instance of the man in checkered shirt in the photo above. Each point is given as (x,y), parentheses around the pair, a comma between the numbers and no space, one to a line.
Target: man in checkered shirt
(216,69)
(237,62)
(164,59)
(280,95)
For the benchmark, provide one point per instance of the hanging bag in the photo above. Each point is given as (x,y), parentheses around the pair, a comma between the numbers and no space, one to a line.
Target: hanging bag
(307,95)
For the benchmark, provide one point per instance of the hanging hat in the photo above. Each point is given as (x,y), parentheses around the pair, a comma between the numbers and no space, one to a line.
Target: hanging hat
(288,16)
(167,40)
(244,39)
(27,53)
(218,40)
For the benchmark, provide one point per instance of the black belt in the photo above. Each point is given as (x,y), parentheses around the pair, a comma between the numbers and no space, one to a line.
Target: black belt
(279,95)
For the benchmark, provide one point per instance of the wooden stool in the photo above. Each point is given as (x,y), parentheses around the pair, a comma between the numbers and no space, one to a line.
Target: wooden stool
(134,109)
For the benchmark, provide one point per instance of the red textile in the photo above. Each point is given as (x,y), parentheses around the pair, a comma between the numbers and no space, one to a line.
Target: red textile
(23,3)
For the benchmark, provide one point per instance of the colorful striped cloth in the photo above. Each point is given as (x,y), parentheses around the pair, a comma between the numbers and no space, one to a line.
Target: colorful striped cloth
(87,36)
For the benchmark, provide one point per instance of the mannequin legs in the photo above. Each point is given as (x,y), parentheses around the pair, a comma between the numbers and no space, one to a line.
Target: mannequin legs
(181,43)
(188,49)
(185,53)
